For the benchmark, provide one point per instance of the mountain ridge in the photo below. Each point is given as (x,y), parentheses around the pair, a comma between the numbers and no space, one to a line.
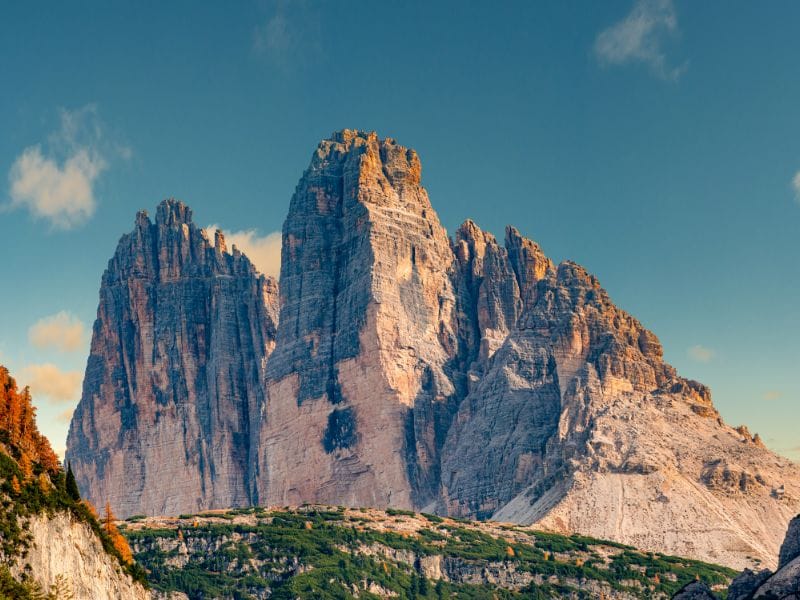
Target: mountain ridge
(410,369)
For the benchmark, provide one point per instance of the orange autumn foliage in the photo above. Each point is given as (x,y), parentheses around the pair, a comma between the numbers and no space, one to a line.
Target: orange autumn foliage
(18,427)
(120,543)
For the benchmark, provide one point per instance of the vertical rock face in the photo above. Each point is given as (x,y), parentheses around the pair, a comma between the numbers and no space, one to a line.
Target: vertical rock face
(466,376)
(60,546)
(358,394)
(168,420)
(485,381)
(790,549)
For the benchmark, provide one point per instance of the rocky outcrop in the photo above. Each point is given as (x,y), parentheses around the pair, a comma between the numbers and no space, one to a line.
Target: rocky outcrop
(466,376)
(50,543)
(696,590)
(66,552)
(781,585)
(746,584)
(790,549)
(172,398)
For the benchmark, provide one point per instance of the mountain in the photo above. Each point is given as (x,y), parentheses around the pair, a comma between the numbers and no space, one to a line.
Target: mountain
(325,552)
(461,376)
(50,542)
(173,392)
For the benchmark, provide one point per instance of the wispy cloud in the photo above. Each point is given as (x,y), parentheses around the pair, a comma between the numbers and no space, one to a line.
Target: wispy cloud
(48,381)
(796,186)
(57,184)
(66,416)
(263,251)
(640,37)
(62,331)
(700,353)
(772,395)
(290,35)
(274,36)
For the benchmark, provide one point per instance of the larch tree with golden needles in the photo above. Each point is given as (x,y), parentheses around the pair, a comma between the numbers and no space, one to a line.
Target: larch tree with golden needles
(120,543)
(18,421)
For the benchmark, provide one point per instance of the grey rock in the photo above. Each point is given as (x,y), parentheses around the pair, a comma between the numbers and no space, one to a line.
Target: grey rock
(790,549)
(746,584)
(696,590)
(783,585)
(172,398)
(410,370)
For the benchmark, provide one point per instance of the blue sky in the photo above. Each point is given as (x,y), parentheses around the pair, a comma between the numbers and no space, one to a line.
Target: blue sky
(655,142)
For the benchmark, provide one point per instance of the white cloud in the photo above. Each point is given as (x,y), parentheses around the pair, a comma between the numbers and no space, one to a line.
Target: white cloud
(291,36)
(65,416)
(48,381)
(58,184)
(273,37)
(700,353)
(773,395)
(639,38)
(796,186)
(62,194)
(62,331)
(263,251)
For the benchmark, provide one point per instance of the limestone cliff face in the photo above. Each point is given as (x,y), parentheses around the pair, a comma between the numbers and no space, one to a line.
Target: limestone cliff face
(61,547)
(467,376)
(357,388)
(579,425)
(168,420)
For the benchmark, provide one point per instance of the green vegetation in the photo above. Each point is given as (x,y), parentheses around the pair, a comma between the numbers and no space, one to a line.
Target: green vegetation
(42,492)
(33,482)
(11,589)
(327,553)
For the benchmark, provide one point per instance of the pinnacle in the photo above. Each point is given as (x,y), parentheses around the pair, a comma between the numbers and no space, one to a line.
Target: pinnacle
(173,212)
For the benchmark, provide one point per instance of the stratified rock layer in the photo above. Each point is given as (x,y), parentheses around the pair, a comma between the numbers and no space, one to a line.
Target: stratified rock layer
(482,380)
(173,391)
(464,376)
(358,394)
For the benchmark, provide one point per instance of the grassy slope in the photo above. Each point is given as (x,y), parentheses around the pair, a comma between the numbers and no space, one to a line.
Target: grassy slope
(324,552)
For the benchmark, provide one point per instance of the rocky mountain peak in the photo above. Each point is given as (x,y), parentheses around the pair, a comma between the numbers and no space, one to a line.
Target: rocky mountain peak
(406,369)
(172,213)
(173,392)
(219,241)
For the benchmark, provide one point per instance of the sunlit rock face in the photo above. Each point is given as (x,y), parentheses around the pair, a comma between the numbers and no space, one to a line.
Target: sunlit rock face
(358,388)
(465,376)
(173,392)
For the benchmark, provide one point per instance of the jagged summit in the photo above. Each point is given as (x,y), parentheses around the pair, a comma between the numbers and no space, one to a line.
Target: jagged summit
(173,394)
(172,212)
(406,369)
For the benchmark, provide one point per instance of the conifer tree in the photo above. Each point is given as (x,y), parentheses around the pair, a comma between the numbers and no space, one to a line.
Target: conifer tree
(72,485)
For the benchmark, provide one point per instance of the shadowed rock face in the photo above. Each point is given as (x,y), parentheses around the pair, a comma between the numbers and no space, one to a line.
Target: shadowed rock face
(465,376)
(173,389)
(790,549)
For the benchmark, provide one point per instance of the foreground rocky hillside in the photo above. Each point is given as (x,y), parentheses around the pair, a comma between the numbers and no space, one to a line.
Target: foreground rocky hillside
(51,545)
(328,552)
(462,376)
